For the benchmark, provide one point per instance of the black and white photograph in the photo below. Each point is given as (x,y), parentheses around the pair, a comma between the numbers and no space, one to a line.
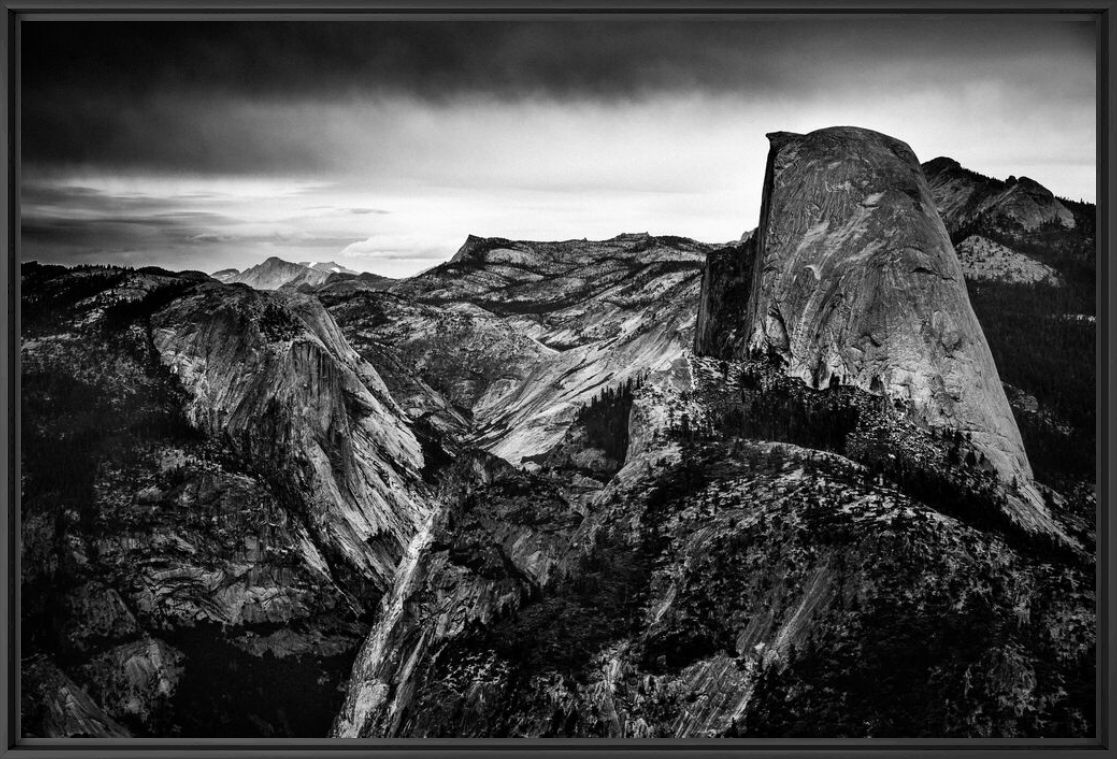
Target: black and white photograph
(574,377)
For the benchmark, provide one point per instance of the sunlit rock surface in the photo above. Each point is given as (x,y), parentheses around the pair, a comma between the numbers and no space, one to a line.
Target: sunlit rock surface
(274,376)
(964,196)
(274,273)
(171,564)
(518,335)
(984,259)
(856,282)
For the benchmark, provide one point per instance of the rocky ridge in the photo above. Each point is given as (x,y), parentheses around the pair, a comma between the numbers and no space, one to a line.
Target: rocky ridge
(273,273)
(519,335)
(962,196)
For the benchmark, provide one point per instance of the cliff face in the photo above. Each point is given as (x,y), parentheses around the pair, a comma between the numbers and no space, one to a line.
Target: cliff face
(272,374)
(856,282)
(519,335)
(720,329)
(964,196)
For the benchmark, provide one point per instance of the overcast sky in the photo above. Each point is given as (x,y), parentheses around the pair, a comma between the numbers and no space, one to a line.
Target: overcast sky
(382,145)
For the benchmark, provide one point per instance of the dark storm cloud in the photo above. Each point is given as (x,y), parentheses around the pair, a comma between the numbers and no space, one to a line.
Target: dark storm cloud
(210,145)
(432,59)
(76,224)
(439,58)
(95,237)
(156,94)
(41,199)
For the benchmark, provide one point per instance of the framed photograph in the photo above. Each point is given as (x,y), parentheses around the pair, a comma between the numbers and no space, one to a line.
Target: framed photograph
(395,378)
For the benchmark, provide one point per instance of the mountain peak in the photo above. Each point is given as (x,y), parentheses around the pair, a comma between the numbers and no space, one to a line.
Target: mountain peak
(1030,185)
(856,283)
(940,164)
(272,273)
(475,247)
(779,139)
(964,196)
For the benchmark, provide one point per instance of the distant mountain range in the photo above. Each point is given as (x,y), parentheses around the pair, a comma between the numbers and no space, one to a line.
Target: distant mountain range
(275,273)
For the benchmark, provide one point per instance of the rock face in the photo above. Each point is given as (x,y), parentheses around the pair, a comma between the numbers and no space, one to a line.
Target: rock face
(215,492)
(856,282)
(57,707)
(985,259)
(340,284)
(274,273)
(273,375)
(518,335)
(277,274)
(136,679)
(964,196)
(721,327)
(712,589)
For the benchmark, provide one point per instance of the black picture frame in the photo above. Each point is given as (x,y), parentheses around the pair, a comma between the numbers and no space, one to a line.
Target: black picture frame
(1104,13)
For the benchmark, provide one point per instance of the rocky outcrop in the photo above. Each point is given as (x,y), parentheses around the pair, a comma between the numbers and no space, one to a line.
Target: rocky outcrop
(500,538)
(720,329)
(346,284)
(984,259)
(964,196)
(273,375)
(277,274)
(172,566)
(94,613)
(519,335)
(136,680)
(632,247)
(855,282)
(54,706)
